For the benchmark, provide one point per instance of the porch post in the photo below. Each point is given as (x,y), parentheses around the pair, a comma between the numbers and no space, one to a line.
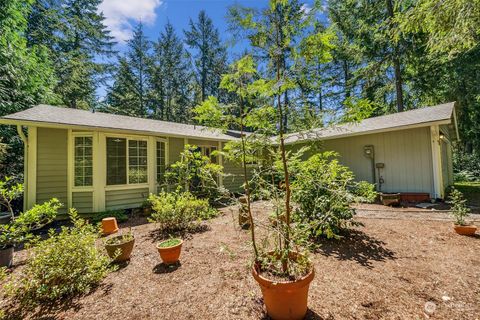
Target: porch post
(436,162)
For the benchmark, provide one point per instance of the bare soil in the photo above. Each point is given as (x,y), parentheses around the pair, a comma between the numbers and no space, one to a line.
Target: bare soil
(392,268)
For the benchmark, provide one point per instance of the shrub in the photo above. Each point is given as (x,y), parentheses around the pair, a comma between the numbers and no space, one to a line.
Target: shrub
(19,229)
(365,191)
(64,265)
(323,190)
(196,172)
(460,211)
(179,211)
(466,166)
(120,215)
(9,192)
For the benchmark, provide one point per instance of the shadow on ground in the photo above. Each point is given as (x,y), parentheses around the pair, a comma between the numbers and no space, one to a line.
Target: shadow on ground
(158,235)
(166,268)
(356,246)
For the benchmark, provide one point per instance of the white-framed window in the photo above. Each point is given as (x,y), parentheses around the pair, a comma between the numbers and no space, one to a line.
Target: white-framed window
(126,161)
(161,160)
(208,152)
(83,161)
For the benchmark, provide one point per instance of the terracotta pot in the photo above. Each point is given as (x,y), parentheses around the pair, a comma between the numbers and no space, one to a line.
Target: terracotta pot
(285,300)
(125,249)
(6,257)
(465,230)
(109,225)
(170,255)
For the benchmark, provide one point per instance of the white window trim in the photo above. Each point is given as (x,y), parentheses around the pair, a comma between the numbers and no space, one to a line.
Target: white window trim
(164,140)
(71,162)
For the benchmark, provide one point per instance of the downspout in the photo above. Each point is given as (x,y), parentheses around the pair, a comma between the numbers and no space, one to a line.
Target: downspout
(25,165)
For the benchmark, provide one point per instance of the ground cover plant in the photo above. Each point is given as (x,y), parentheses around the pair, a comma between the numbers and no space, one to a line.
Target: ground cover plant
(169,243)
(64,265)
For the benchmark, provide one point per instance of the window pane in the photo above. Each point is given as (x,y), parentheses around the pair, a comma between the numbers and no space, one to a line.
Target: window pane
(116,161)
(160,162)
(137,161)
(82,161)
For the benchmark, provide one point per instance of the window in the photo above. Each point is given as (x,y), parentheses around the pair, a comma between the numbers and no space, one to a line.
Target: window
(160,162)
(137,161)
(116,161)
(83,171)
(207,151)
(120,160)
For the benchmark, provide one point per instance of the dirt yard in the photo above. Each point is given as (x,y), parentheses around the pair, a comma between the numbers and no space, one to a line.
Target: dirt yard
(395,268)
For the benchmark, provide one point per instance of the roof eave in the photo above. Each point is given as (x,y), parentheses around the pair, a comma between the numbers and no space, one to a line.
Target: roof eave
(345,135)
(53,125)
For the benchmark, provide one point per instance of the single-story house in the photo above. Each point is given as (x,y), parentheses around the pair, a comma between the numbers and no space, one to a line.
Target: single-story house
(95,161)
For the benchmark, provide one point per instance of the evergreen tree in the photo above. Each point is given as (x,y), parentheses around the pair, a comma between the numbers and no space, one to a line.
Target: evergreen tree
(26,76)
(171,73)
(130,93)
(210,54)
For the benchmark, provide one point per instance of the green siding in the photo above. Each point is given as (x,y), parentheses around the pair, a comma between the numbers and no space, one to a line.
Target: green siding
(407,155)
(175,147)
(52,165)
(125,199)
(234,179)
(83,201)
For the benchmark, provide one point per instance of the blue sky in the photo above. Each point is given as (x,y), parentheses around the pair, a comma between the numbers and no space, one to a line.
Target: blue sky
(123,15)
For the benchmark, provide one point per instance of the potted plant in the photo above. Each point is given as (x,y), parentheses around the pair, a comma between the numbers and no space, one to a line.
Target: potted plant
(119,248)
(19,229)
(170,250)
(8,193)
(460,211)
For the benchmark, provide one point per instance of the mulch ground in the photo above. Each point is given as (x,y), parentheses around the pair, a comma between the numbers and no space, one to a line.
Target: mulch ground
(387,269)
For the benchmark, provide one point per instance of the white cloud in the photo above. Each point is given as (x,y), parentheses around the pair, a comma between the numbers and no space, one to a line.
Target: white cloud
(120,14)
(305,8)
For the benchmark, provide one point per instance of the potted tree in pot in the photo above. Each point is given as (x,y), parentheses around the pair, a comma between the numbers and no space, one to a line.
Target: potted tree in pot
(460,211)
(8,193)
(19,229)
(120,247)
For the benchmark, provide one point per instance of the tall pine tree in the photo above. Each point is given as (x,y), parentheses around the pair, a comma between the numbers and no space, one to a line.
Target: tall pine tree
(210,55)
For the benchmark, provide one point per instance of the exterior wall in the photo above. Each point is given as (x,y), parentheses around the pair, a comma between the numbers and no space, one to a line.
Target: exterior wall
(126,198)
(83,201)
(407,156)
(175,147)
(234,180)
(52,165)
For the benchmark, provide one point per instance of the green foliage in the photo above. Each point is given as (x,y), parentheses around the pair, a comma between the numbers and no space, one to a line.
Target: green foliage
(196,172)
(64,265)
(20,228)
(355,110)
(322,189)
(9,191)
(179,211)
(365,191)
(120,239)
(210,55)
(466,166)
(169,243)
(120,215)
(460,211)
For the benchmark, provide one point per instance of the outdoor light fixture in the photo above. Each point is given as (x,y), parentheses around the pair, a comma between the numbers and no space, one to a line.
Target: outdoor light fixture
(442,136)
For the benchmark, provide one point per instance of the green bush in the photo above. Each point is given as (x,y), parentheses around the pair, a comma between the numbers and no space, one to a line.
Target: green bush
(460,211)
(64,265)
(196,172)
(466,166)
(120,215)
(19,229)
(179,211)
(324,190)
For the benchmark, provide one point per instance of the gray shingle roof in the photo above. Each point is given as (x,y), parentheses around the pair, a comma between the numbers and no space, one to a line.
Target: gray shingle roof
(395,121)
(74,117)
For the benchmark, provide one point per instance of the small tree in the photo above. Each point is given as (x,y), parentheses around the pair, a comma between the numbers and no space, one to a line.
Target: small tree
(460,211)
(196,173)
